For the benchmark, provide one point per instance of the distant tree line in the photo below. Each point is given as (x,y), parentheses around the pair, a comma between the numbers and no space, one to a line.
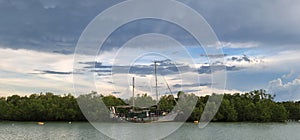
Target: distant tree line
(255,106)
(40,107)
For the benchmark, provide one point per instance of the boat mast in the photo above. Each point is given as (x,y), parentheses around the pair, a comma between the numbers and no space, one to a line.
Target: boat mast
(155,72)
(133,93)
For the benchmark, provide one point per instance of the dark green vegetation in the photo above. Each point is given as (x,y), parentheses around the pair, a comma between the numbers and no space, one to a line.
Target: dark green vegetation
(40,107)
(255,106)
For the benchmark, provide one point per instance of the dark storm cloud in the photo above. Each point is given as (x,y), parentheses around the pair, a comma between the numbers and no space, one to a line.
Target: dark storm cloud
(164,67)
(93,64)
(143,26)
(209,69)
(239,59)
(115,92)
(52,72)
(55,26)
(213,55)
(52,26)
(269,22)
(191,85)
(245,58)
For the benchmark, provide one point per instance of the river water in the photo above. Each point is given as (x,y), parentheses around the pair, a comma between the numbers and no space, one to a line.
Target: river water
(85,131)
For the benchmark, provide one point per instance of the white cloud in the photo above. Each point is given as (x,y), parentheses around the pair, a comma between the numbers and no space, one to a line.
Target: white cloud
(27,61)
(240,44)
(17,70)
(289,74)
(285,91)
(283,61)
(23,62)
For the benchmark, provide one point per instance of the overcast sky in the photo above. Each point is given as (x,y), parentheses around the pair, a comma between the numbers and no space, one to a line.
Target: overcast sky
(261,48)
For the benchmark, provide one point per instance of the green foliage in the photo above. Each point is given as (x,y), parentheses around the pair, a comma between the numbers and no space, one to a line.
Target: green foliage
(92,106)
(263,111)
(185,104)
(279,113)
(40,107)
(167,103)
(226,112)
(142,101)
(255,106)
(3,108)
(113,101)
(293,109)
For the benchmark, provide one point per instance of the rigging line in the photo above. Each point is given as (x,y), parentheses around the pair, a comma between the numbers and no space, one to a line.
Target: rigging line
(169,88)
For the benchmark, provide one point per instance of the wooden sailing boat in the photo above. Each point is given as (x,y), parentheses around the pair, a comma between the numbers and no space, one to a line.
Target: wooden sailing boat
(142,115)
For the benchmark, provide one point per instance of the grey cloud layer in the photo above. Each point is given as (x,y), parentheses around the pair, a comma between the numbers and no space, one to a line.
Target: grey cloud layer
(46,25)
(165,67)
(269,22)
(55,26)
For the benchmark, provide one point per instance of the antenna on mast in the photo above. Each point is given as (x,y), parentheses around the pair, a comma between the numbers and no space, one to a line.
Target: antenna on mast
(133,93)
(156,91)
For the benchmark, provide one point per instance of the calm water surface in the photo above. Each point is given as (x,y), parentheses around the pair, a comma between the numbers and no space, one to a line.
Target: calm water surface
(214,131)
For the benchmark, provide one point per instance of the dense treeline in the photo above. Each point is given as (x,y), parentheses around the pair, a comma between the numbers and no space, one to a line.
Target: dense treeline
(255,106)
(40,107)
